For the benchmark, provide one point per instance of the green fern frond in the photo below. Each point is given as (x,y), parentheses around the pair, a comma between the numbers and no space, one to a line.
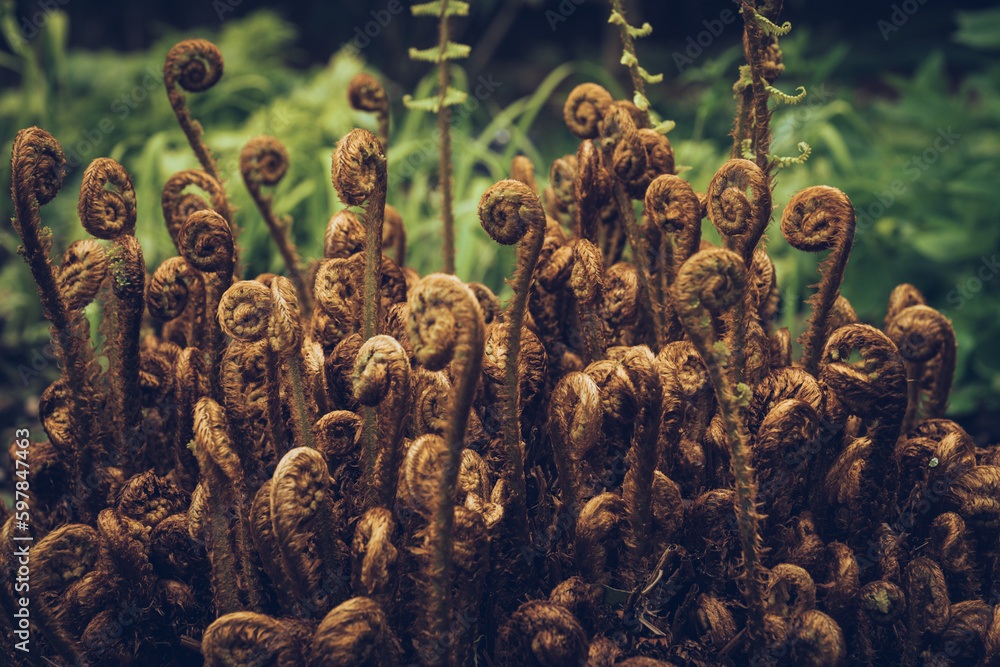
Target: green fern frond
(645,31)
(453,51)
(787,99)
(779,162)
(771,28)
(804,151)
(630,60)
(745,80)
(665,126)
(433,104)
(455,8)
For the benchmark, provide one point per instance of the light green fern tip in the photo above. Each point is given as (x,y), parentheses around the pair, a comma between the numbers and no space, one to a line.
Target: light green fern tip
(743,395)
(440,55)
(454,8)
(779,162)
(743,81)
(629,60)
(771,28)
(453,51)
(665,126)
(804,151)
(433,104)
(645,31)
(720,349)
(783,97)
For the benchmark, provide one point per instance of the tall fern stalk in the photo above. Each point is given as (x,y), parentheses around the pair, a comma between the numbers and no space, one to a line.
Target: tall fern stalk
(445,98)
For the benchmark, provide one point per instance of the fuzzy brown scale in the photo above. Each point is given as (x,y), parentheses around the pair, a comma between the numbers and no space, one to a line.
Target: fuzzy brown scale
(623,155)
(585,108)
(511,212)
(177,204)
(365,93)
(37,172)
(194,65)
(345,235)
(356,632)
(562,176)
(302,515)
(590,187)
(926,341)
(83,268)
(574,426)
(446,323)
(264,161)
(107,213)
(816,219)
(382,377)
(245,637)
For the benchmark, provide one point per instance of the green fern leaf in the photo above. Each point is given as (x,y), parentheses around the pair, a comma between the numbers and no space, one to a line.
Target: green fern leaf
(645,31)
(453,51)
(804,151)
(432,104)
(787,99)
(772,28)
(455,8)
(665,126)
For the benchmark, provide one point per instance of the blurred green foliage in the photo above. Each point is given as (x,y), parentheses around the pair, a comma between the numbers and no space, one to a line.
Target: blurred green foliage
(927,206)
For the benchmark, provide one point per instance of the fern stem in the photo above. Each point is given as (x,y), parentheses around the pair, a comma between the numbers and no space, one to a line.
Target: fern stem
(444,128)
(633,70)
(300,408)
